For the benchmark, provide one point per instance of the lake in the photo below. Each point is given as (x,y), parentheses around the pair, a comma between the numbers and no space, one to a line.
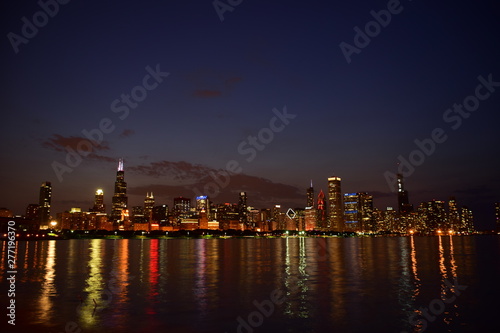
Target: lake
(359,284)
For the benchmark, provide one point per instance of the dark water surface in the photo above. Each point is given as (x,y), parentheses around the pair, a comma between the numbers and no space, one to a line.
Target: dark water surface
(385,284)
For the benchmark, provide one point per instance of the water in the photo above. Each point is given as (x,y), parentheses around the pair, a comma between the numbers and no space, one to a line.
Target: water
(256,285)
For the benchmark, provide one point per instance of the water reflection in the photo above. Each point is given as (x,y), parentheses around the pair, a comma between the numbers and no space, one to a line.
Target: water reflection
(330,284)
(295,281)
(93,285)
(48,288)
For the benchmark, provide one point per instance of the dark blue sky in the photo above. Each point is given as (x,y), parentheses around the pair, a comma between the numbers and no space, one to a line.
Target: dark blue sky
(352,120)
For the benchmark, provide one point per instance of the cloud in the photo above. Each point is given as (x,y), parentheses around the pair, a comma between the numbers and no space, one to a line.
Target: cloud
(59,143)
(127,132)
(190,180)
(207,83)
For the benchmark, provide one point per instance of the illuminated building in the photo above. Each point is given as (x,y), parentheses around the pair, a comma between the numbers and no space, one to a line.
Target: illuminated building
(467,220)
(310,196)
(352,214)
(75,219)
(160,214)
(138,214)
(403,201)
(321,211)
(453,214)
(32,212)
(433,216)
(44,204)
(366,209)
(277,218)
(497,216)
(149,203)
(182,207)
(335,208)
(99,206)
(120,200)
(310,216)
(358,212)
(242,208)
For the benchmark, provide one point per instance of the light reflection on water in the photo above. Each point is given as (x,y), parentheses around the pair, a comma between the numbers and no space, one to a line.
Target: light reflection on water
(193,285)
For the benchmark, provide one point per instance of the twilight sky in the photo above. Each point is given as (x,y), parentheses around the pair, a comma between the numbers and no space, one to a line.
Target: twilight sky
(348,119)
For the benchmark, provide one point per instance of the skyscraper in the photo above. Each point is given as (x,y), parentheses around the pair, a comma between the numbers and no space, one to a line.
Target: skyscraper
(352,216)
(182,207)
(321,211)
(497,216)
(44,203)
(310,196)
(366,210)
(99,206)
(453,214)
(120,200)
(149,203)
(335,208)
(403,200)
(242,208)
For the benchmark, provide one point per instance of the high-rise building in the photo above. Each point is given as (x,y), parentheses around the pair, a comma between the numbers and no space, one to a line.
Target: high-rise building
(137,215)
(497,216)
(453,214)
(467,220)
(366,210)
(182,206)
(99,206)
(352,216)
(32,212)
(149,203)
(335,207)
(160,214)
(434,216)
(44,204)
(321,216)
(403,200)
(310,196)
(120,199)
(242,208)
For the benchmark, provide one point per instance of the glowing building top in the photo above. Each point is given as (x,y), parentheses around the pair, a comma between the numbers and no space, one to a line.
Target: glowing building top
(120,164)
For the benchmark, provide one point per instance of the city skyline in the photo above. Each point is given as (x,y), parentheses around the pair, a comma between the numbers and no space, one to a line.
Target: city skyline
(346,211)
(270,90)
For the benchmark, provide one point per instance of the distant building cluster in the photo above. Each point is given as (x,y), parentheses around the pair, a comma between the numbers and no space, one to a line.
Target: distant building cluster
(336,212)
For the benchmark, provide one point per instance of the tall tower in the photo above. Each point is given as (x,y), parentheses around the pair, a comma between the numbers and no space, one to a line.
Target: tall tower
(149,203)
(310,196)
(44,202)
(497,216)
(335,209)
(453,214)
(120,200)
(99,202)
(352,214)
(403,201)
(321,211)
(242,208)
